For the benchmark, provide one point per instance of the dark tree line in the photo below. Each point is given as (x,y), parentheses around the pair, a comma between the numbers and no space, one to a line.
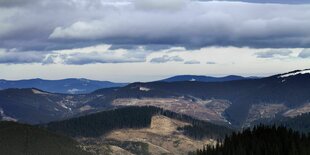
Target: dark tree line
(300,123)
(261,140)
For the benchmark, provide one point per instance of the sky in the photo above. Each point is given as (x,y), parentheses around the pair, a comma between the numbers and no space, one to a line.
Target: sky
(145,40)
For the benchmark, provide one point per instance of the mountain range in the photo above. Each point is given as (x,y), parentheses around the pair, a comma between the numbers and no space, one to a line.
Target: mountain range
(237,103)
(84,86)
(67,86)
(161,117)
(202,78)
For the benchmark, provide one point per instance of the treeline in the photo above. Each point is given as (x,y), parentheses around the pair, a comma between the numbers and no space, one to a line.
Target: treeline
(261,140)
(300,123)
(200,130)
(98,124)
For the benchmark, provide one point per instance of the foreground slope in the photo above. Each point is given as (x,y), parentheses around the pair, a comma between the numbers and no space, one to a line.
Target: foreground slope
(261,140)
(17,139)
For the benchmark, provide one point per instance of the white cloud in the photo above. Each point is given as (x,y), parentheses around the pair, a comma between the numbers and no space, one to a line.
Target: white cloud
(192,62)
(274,53)
(305,53)
(13,57)
(168,5)
(211,63)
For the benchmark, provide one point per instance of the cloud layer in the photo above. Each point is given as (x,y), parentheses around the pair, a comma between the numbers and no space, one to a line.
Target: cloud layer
(42,31)
(50,25)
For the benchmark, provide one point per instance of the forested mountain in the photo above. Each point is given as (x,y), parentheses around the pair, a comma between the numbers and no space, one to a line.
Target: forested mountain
(202,78)
(18,139)
(34,106)
(231,102)
(299,123)
(67,86)
(98,124)
(261,140)
(290,89)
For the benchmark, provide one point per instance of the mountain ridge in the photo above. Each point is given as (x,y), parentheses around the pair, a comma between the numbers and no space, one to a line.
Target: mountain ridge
(67,86)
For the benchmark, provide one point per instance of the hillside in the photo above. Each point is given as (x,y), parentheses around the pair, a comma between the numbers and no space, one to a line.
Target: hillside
(17,139)
(100,123)
(289,91)
(139,130)
(161,137)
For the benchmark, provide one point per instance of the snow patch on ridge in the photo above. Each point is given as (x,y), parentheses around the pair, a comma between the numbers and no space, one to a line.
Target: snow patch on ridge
(307,71)
(144,89)
(35,91)
(192,79)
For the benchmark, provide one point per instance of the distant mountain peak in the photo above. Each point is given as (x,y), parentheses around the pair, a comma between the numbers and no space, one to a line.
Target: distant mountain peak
(293,73)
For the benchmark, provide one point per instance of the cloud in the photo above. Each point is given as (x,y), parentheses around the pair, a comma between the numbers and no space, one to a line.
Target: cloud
(78,56)
(305,53)
(97,54)
(48,25)
(167,5)
(15,3)
(274,53)
(211,63)
(198,24)
(269,1)
(166,58)
(192,62)
(14,57)
(96,57)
